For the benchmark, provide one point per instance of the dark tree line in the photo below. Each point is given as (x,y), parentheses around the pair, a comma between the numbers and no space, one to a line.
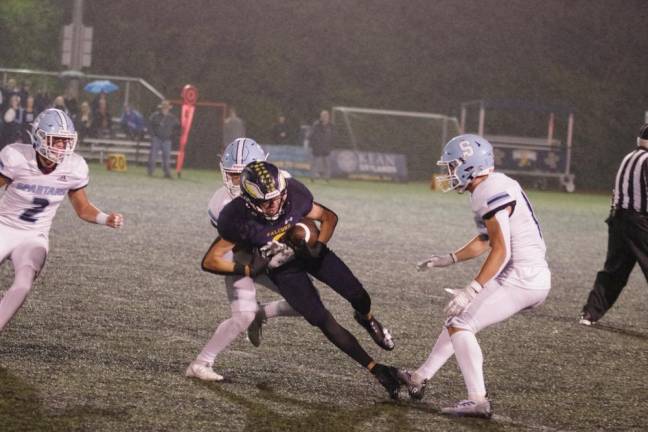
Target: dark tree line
(298,56)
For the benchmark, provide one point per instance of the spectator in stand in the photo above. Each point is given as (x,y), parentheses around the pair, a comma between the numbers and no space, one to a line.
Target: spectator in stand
(72,105)
(280,131)
(322,137)
(8,90)
(97,101)
(83,121)
(24,93)
(233,128)
(13,120)
(42,100)
(59,104)
(30,114)
(102,120)
(163,126)
(132,123)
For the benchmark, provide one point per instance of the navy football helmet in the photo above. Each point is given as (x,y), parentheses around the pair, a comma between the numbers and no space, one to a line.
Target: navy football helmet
(263,187)
(465,157)
(50,126)
(236,156)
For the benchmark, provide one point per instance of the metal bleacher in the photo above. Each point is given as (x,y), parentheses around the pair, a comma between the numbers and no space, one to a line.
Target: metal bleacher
(98,149)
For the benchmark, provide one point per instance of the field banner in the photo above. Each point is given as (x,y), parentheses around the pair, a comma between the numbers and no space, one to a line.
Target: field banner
(296,160)
(530,159)
(363,165)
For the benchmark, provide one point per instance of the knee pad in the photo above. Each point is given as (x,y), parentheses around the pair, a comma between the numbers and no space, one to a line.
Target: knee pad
(241,294)
(460,322)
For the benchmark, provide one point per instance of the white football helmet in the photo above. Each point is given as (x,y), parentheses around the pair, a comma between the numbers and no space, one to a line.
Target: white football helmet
(237,154)
(52,125)
(465,157)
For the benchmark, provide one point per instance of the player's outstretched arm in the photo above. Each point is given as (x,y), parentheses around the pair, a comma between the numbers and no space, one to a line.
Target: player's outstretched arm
(2,181)
(215,261)
(328,220)
(89,213)
(474,248)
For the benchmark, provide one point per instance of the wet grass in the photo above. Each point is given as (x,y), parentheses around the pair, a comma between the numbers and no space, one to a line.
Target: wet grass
(102,342)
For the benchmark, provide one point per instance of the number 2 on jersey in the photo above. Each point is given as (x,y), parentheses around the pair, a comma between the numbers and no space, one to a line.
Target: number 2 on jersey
(29,215)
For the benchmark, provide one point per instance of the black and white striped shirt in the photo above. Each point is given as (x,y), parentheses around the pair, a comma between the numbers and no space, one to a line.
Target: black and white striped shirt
(631,185)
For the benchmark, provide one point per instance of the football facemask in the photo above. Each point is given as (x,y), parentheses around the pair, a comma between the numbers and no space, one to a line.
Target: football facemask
(53,135)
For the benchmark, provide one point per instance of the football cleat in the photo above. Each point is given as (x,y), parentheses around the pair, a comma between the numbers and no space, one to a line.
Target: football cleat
(380,335)
(415,389)
(469,408)
(586,319)
(202,372)
(255,329)
(387,376)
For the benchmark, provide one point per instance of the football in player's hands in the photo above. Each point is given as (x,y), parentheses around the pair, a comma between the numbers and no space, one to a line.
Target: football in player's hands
(304,233)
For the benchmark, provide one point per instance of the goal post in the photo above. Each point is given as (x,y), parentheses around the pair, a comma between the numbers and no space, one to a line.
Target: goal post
(419,136)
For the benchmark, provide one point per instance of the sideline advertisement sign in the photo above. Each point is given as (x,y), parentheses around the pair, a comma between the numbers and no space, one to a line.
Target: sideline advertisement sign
(296,160)
(363,165)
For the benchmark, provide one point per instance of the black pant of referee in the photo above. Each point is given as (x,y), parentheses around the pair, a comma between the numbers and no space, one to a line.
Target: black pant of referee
(627,245)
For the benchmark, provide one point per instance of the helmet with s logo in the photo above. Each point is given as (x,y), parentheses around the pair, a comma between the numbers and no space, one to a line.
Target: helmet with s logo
(465,157)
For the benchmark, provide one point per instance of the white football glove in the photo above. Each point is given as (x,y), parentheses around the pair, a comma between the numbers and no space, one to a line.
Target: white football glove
(461,298)
(437,261)
(279,253)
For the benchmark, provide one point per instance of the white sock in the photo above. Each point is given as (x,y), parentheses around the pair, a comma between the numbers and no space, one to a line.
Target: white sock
(440,354)
(224,335)
(471,360)
(278,308)
(16,294)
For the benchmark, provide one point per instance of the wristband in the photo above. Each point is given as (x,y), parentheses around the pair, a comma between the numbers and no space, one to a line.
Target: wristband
(101,218)
(476,286)
(454,257)
(239,269)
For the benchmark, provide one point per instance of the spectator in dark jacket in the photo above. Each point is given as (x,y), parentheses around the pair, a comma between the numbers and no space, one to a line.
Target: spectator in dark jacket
(280,131)
(321,141)
(163,125)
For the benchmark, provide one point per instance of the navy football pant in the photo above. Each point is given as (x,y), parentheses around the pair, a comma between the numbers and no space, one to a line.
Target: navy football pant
(297,288)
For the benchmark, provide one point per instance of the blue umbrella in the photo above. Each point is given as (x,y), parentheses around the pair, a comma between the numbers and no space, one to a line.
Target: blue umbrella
(100,86)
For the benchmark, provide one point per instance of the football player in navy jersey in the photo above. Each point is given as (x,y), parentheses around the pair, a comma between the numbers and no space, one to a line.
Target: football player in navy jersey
(268,207)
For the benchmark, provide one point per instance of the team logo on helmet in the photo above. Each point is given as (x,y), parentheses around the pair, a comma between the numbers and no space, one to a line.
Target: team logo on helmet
(262,184)
(465,157)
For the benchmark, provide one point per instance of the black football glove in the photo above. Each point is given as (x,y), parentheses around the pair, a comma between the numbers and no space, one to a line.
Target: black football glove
(304,251)
(258,265)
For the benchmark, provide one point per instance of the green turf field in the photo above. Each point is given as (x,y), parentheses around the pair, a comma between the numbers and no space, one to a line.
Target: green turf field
(103,340)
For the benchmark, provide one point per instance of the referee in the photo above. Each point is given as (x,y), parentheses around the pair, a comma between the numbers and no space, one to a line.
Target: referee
(627,232)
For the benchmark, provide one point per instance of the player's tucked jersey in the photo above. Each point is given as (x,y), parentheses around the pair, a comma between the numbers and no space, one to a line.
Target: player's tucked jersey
(497,192)
(32,198)
(240,224)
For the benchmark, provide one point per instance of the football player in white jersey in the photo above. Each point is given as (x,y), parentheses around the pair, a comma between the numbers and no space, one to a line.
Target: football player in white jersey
(36,178)
(514,276)
(241,290)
